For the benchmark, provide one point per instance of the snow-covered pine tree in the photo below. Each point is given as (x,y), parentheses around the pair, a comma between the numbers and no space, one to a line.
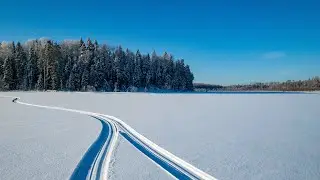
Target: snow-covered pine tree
(8,77)
(67,71)
(31,70)
(100,69)
(50,66)
(59,64)
(20,65)
(84,80)
(1,61)
(160,73)
(74,82)
(189,78)
(147,69)
(129,68)
(107,54)
(176,83)
(153,69)
(168,70)
(119,62)
(137,70)
(145,66)
(12,54)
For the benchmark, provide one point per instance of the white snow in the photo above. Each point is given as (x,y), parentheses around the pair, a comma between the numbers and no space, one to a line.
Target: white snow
(230,136)
(42,144)
(128,163)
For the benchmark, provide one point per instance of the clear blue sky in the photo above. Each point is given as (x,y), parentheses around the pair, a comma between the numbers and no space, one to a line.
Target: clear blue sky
(224,42)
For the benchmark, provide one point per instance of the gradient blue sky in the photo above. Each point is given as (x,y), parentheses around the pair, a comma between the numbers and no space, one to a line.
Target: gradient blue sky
(224,42)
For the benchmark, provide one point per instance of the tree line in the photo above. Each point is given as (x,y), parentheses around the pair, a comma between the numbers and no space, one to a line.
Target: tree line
(78,66)
(206,87)
(312,84)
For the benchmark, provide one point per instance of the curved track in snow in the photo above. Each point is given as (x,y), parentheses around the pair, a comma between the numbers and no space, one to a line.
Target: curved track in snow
(95,163)
(91,163)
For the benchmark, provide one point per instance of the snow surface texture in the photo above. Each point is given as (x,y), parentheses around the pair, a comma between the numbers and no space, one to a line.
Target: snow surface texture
(95,163)
(131,164)
(243,136)
(37,144)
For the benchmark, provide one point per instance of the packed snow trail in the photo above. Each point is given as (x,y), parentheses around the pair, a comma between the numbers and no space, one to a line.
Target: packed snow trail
(175,166)
(90,159)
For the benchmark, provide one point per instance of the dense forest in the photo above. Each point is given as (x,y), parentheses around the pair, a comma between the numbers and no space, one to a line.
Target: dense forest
(312,84)
(73,65)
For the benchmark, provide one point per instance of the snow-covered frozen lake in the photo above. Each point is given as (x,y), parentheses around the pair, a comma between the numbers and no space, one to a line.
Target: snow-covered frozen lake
(230,136)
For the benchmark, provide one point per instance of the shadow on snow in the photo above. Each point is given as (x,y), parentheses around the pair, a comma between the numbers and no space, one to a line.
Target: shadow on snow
(165,165)
(89,158)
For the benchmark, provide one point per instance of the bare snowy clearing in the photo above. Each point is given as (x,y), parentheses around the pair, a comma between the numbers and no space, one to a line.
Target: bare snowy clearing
(40,144)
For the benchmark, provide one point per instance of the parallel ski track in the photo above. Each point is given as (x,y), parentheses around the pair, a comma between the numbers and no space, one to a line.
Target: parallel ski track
(172,164)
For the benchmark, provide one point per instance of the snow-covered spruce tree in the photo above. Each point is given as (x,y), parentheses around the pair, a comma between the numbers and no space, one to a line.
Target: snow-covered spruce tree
(145,67)
(148,74)
(30,79)
(80,70)
(91,58)
(50,64)
(119,62)
(98,71)
(74,83)
(8,78)
(59,64)
(137,70)
(67,70)
(181,77)
(84,80)
(1,66)
(178,75)
(168,70)
(39,49)
(71,84)
(109,68)
(20,65)
(160,73)
(189,78)
(11,55)
(90,52)
(153,69)
(129,67)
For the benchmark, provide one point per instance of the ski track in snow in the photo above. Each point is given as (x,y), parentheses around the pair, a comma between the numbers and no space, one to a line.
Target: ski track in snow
(95,163)
(90,158)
